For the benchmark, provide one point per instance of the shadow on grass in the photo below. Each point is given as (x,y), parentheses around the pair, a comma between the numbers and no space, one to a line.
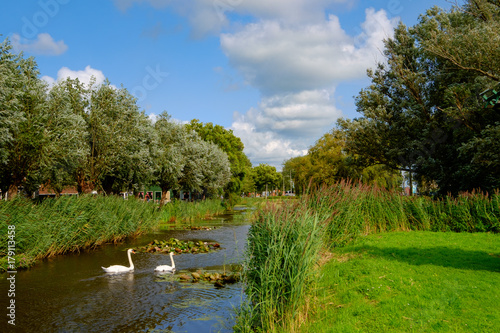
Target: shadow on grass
(439,256)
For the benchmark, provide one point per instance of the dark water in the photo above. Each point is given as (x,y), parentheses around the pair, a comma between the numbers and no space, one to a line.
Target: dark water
(73,294)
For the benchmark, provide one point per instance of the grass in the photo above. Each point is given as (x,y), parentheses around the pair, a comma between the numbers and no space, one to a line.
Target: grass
(342,214)
(410,282)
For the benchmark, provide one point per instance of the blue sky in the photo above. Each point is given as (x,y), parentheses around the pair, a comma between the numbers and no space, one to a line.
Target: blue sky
(278,73)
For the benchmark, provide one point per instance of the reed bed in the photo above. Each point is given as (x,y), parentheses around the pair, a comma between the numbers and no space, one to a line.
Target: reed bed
(179,210)
(286,239)
(67,224)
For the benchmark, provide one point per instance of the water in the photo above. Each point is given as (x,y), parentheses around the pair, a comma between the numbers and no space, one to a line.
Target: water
(73,294)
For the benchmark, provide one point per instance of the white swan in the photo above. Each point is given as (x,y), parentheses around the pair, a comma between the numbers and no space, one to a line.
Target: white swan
(120,268)
(167,268)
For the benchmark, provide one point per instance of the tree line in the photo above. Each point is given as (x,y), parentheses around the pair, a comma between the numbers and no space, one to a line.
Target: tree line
(431,110)
(96,138)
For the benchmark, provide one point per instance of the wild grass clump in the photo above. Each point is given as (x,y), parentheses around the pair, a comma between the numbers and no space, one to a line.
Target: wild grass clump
(179,210)
(283,247)
(67,224)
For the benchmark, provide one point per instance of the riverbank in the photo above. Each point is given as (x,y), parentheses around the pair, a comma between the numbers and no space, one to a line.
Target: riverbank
(410,282)
(287,241)
(68,224)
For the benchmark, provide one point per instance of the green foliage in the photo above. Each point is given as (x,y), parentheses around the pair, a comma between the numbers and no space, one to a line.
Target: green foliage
(185,161)
(423,112)
(328,162)
(231,145)
(23,114)
(265,177)
(179,246)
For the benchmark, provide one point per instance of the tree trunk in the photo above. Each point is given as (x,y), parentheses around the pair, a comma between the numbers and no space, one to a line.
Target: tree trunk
(165,197)
(12,192)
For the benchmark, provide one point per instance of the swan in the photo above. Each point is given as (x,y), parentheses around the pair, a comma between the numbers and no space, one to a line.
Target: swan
(167,268)
(120,268)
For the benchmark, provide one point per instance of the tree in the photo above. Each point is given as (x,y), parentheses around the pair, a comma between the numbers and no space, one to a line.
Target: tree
(301,171)
(423,113)
(169,158)
(120,142)
(231,145)
(266,177)
(23,114)
(185,161)
(66,128)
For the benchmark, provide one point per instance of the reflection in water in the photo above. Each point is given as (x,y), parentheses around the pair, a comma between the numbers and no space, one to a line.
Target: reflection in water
(72,293)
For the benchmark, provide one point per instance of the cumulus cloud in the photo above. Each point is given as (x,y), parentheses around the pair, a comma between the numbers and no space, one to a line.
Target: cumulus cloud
(283,126)
(275,57)
(85,76)
(44,44)
(265,146)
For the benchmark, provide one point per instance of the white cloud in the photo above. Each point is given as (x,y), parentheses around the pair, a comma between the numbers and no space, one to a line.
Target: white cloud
(44,44)
(84,76)
(265,146)
(284,126)
(275,57)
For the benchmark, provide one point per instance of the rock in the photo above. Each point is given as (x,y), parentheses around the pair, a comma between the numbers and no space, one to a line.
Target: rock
(184,277)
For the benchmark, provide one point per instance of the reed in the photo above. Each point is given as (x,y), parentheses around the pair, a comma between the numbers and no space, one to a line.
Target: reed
(179,210)
(283,247)
(67,224)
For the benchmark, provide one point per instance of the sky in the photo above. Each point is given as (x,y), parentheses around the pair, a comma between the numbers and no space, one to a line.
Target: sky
(278,73)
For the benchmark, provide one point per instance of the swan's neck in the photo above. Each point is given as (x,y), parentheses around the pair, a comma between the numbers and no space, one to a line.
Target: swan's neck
(172,260)
(130,260)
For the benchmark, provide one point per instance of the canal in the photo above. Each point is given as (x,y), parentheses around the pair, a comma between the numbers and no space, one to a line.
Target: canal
(72,293)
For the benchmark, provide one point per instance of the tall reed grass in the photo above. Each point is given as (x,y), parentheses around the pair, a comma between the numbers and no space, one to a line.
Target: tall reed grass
(179,210)
(56,226)
(283,247)
(285,241)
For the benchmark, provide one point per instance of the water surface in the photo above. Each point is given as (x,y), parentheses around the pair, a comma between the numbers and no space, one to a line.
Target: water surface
(72,293)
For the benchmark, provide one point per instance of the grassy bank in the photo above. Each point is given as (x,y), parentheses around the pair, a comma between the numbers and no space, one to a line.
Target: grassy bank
(332,218)
(67,224)
(179,211)
(410,282)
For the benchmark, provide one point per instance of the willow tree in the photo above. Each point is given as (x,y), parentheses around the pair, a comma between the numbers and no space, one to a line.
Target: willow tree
(23,114)
(66,128)
(184,161)
(120,139)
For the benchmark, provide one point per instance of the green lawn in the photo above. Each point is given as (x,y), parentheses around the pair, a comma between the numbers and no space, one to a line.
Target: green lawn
(411,282)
